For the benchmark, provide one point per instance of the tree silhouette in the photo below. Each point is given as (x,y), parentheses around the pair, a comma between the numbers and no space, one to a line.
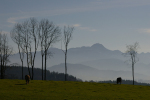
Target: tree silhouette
(132,53)
(5,52)
(16,37)
(49,34)
(66,39)
(26,36)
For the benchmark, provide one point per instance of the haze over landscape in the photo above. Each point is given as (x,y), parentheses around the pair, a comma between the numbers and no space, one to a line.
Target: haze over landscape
(103,28)
(95,63)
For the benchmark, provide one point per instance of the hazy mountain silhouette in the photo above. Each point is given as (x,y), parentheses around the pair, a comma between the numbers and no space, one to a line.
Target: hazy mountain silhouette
(97,57)
(75,55)
(89,73)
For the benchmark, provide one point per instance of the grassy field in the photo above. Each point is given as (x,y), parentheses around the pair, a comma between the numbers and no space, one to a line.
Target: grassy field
(61,90)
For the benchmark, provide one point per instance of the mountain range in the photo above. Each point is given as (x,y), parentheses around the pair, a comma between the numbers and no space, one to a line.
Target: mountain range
(88,73)
(94,63)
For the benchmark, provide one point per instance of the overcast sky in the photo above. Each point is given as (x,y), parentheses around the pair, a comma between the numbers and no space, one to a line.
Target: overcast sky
(113,23)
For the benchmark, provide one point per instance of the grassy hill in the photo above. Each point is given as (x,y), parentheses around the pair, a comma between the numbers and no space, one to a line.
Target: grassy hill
(61,90)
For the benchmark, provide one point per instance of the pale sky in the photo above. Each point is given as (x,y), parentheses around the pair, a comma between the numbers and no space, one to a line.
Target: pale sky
(113,23)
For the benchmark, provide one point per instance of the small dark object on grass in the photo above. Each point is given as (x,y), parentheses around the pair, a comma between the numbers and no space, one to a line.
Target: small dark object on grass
(119,80)
(27,78)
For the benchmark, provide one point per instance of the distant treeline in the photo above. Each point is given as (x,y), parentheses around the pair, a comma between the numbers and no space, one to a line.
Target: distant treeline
(123,82)
(14,72)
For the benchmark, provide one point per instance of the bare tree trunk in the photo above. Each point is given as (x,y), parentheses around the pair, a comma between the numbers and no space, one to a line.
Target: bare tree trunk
(28,65)
(42,67)
(66,65)
(21,58)
(22,70)
(133,72)
(32,66)
(2,75)
(45,63)
(32,73)
(33,60)
(132,58)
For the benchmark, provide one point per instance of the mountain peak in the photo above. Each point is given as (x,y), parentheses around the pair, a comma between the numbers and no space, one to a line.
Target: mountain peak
(98,46)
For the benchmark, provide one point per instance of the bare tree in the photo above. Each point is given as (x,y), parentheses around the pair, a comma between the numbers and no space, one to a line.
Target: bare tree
(67,37)
(34,31)
(17,38)
(5,52)
(49,34)
(132,53)
(26,35)
(26,41)
(23,31)
(41,38)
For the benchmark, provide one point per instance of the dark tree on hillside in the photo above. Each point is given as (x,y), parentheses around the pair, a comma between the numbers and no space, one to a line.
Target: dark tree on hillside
(5,52)
(48,35)
(132,53)
(28,33)
(34,31)
(66,39)
(16,37)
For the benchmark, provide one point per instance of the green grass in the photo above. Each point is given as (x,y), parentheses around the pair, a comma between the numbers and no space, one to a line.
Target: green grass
(61,90)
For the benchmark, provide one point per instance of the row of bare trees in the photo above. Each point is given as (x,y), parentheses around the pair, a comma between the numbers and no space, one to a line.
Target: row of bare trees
(32,34)
(5,52)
